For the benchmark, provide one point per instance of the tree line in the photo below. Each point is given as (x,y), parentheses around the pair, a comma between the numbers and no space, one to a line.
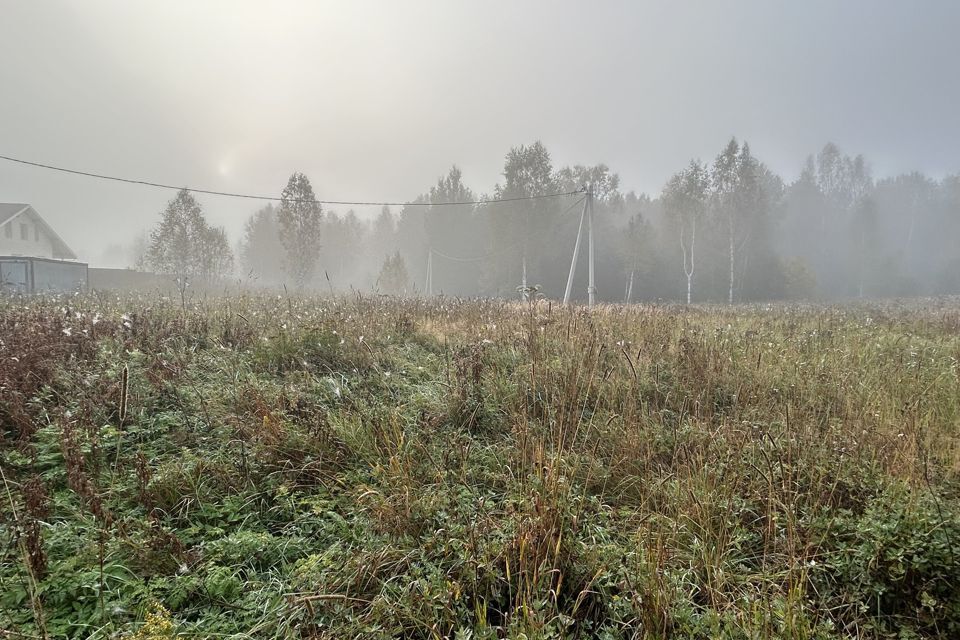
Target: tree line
(728,230)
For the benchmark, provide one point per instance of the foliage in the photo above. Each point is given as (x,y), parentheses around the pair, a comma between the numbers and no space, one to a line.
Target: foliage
(393,277)
(899,561)
(728,230)
(261,252)
(185,245)
(382,467)
(156,626)
(300,216)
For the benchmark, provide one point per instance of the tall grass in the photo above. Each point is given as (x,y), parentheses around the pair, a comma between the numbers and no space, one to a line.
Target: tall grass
(372,467)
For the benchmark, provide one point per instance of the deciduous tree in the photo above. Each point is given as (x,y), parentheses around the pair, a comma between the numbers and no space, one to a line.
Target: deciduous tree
(300,216)
(185,245)
(685,201)
(393,278)
(261,252)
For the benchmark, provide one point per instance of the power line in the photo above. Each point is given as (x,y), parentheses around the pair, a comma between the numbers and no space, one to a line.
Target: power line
(276,199)
(474,259)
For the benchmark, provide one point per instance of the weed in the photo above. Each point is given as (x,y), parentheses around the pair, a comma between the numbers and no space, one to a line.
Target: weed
(382,468)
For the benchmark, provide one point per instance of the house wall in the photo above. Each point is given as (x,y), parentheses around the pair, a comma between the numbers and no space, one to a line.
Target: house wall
(39,275)
(14,276)
(59,276)
(15,245)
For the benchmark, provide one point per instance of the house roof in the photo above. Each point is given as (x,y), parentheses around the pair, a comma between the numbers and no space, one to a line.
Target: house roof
(11,210)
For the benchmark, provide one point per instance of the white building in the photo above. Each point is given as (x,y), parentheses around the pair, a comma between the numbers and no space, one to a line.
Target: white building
(33,257)
(24,233)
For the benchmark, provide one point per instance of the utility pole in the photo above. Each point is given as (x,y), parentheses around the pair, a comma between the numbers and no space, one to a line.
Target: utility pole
(429,284)
(576,254)
(591,287)
(523,279)
(588,214)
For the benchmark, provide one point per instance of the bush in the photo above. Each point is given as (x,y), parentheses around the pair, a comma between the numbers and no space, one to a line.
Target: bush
(897,565)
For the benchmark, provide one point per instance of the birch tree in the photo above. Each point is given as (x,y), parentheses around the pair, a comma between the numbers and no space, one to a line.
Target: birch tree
(725,183)
(685,200)
(183,244)
(300,216)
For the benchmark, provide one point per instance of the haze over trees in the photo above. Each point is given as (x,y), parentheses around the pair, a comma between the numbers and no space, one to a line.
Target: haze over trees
(261,247)
(299,216)
(725,231)
(393,278)
(184,244)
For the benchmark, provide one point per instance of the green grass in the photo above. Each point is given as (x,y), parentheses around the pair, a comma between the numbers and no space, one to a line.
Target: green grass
(271,467)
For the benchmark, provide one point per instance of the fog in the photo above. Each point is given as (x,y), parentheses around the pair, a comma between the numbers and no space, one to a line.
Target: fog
(376,101)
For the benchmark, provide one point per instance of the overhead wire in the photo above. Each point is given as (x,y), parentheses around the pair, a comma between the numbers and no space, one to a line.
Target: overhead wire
(230,194)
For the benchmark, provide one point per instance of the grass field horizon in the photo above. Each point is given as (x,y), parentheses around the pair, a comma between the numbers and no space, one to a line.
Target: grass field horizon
(263,466)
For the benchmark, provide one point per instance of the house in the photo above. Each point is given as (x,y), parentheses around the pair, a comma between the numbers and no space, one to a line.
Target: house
(33,258)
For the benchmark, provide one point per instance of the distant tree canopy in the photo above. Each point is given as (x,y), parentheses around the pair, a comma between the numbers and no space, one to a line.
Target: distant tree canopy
(393,278)
(522,231)
(724,230)
(261,252)
(300,216)
(185,245)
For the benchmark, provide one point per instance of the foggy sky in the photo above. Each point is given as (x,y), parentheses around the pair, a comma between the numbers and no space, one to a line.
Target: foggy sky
(375,100)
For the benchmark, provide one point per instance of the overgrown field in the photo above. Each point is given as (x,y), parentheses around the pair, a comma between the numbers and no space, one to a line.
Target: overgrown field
(273,467)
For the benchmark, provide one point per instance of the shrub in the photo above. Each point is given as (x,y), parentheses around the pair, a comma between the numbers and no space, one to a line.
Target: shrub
(897,565)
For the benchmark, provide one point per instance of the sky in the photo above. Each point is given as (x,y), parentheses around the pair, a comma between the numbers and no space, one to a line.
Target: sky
(374,100)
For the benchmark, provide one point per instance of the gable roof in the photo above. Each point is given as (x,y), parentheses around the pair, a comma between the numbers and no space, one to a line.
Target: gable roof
(11,210)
